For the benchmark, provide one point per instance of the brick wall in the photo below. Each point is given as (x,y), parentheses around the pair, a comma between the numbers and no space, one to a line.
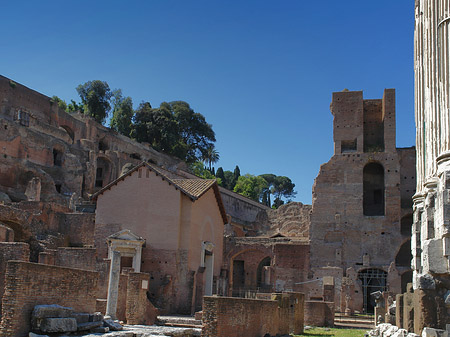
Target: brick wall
(11,251)
(30,284)
(82,258)
(232,316)
(79,228)
(139,309)
(319,313)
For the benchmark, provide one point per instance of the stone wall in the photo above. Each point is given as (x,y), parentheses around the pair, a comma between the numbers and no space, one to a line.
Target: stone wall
(229,316)
(30,284)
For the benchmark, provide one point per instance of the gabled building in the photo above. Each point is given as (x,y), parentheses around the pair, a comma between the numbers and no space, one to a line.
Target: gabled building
(182,222)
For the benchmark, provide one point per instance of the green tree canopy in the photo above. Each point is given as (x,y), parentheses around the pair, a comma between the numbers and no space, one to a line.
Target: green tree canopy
(283,187)
(75,107)
(61,103)
(211,156)
(270,178)
(123,112)
(157,127)
(196,133)
(201,171)
(229,180)
(250,186)
(174,128)
(96,96)
(220,175)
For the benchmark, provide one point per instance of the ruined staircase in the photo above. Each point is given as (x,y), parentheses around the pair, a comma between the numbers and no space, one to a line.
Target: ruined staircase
(355,321)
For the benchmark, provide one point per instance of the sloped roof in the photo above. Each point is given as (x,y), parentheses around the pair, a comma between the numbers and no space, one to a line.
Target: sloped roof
(192,188)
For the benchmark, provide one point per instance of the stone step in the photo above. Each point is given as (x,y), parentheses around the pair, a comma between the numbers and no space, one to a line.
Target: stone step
(355,325)
(360,321)
(179,321)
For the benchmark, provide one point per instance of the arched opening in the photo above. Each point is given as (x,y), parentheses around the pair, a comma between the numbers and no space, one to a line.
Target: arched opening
(102,145)
(69,132)
(103,174)
(404,256)
(373,189)
(57,157)
(406,225)
(373,279)
(262,274)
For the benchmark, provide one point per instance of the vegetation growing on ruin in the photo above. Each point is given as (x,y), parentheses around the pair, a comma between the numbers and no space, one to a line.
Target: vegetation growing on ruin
(173,128)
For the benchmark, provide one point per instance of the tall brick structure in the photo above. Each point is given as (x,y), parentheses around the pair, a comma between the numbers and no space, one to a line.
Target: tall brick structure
(361,211)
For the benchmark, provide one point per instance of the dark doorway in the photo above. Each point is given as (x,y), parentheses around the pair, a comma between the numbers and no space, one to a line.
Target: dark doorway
(372,279)
(238,277)
(260,274)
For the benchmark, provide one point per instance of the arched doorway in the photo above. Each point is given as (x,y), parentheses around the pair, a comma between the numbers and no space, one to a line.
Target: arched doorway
(103,173)
(373,279)
(262,274)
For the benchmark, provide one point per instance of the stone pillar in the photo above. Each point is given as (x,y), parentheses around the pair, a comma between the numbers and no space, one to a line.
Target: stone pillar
(137,259)
(399,311)
(113,285)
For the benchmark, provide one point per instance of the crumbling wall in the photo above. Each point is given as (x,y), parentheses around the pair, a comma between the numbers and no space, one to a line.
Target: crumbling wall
(230,316)
(139,310)
(30,284)
(360,198)
(319,313)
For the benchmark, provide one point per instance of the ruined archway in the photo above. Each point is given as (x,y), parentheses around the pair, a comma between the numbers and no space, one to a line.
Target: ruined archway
(69,132)
(372,279)
(245,266)
(262,277)
(373,189)
(104,172)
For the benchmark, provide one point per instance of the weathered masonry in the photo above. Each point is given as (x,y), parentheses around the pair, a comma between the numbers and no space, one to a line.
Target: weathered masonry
(361,212)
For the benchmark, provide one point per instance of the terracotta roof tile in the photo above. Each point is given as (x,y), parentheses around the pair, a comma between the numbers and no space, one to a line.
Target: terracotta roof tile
(194,187)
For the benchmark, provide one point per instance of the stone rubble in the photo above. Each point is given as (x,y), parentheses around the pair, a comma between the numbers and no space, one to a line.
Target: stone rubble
(389,330)
(57,319)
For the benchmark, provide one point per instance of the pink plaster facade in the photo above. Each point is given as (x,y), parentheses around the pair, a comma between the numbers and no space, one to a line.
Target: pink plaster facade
(174,226)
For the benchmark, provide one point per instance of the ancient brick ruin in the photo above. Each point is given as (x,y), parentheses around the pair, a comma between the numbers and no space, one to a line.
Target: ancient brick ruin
(77,195)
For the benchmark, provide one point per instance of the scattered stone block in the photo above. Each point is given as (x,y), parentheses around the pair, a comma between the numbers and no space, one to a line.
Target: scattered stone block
(400,333)
(48,311)
(112,325)
(100,329)
(88,326)
(81,317)
(96,317)
(67,324)
(430,332)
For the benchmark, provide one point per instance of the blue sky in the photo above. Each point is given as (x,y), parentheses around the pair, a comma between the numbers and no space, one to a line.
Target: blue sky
(261,72)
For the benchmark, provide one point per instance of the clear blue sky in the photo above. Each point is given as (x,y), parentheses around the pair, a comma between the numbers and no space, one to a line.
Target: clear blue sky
(262,72)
